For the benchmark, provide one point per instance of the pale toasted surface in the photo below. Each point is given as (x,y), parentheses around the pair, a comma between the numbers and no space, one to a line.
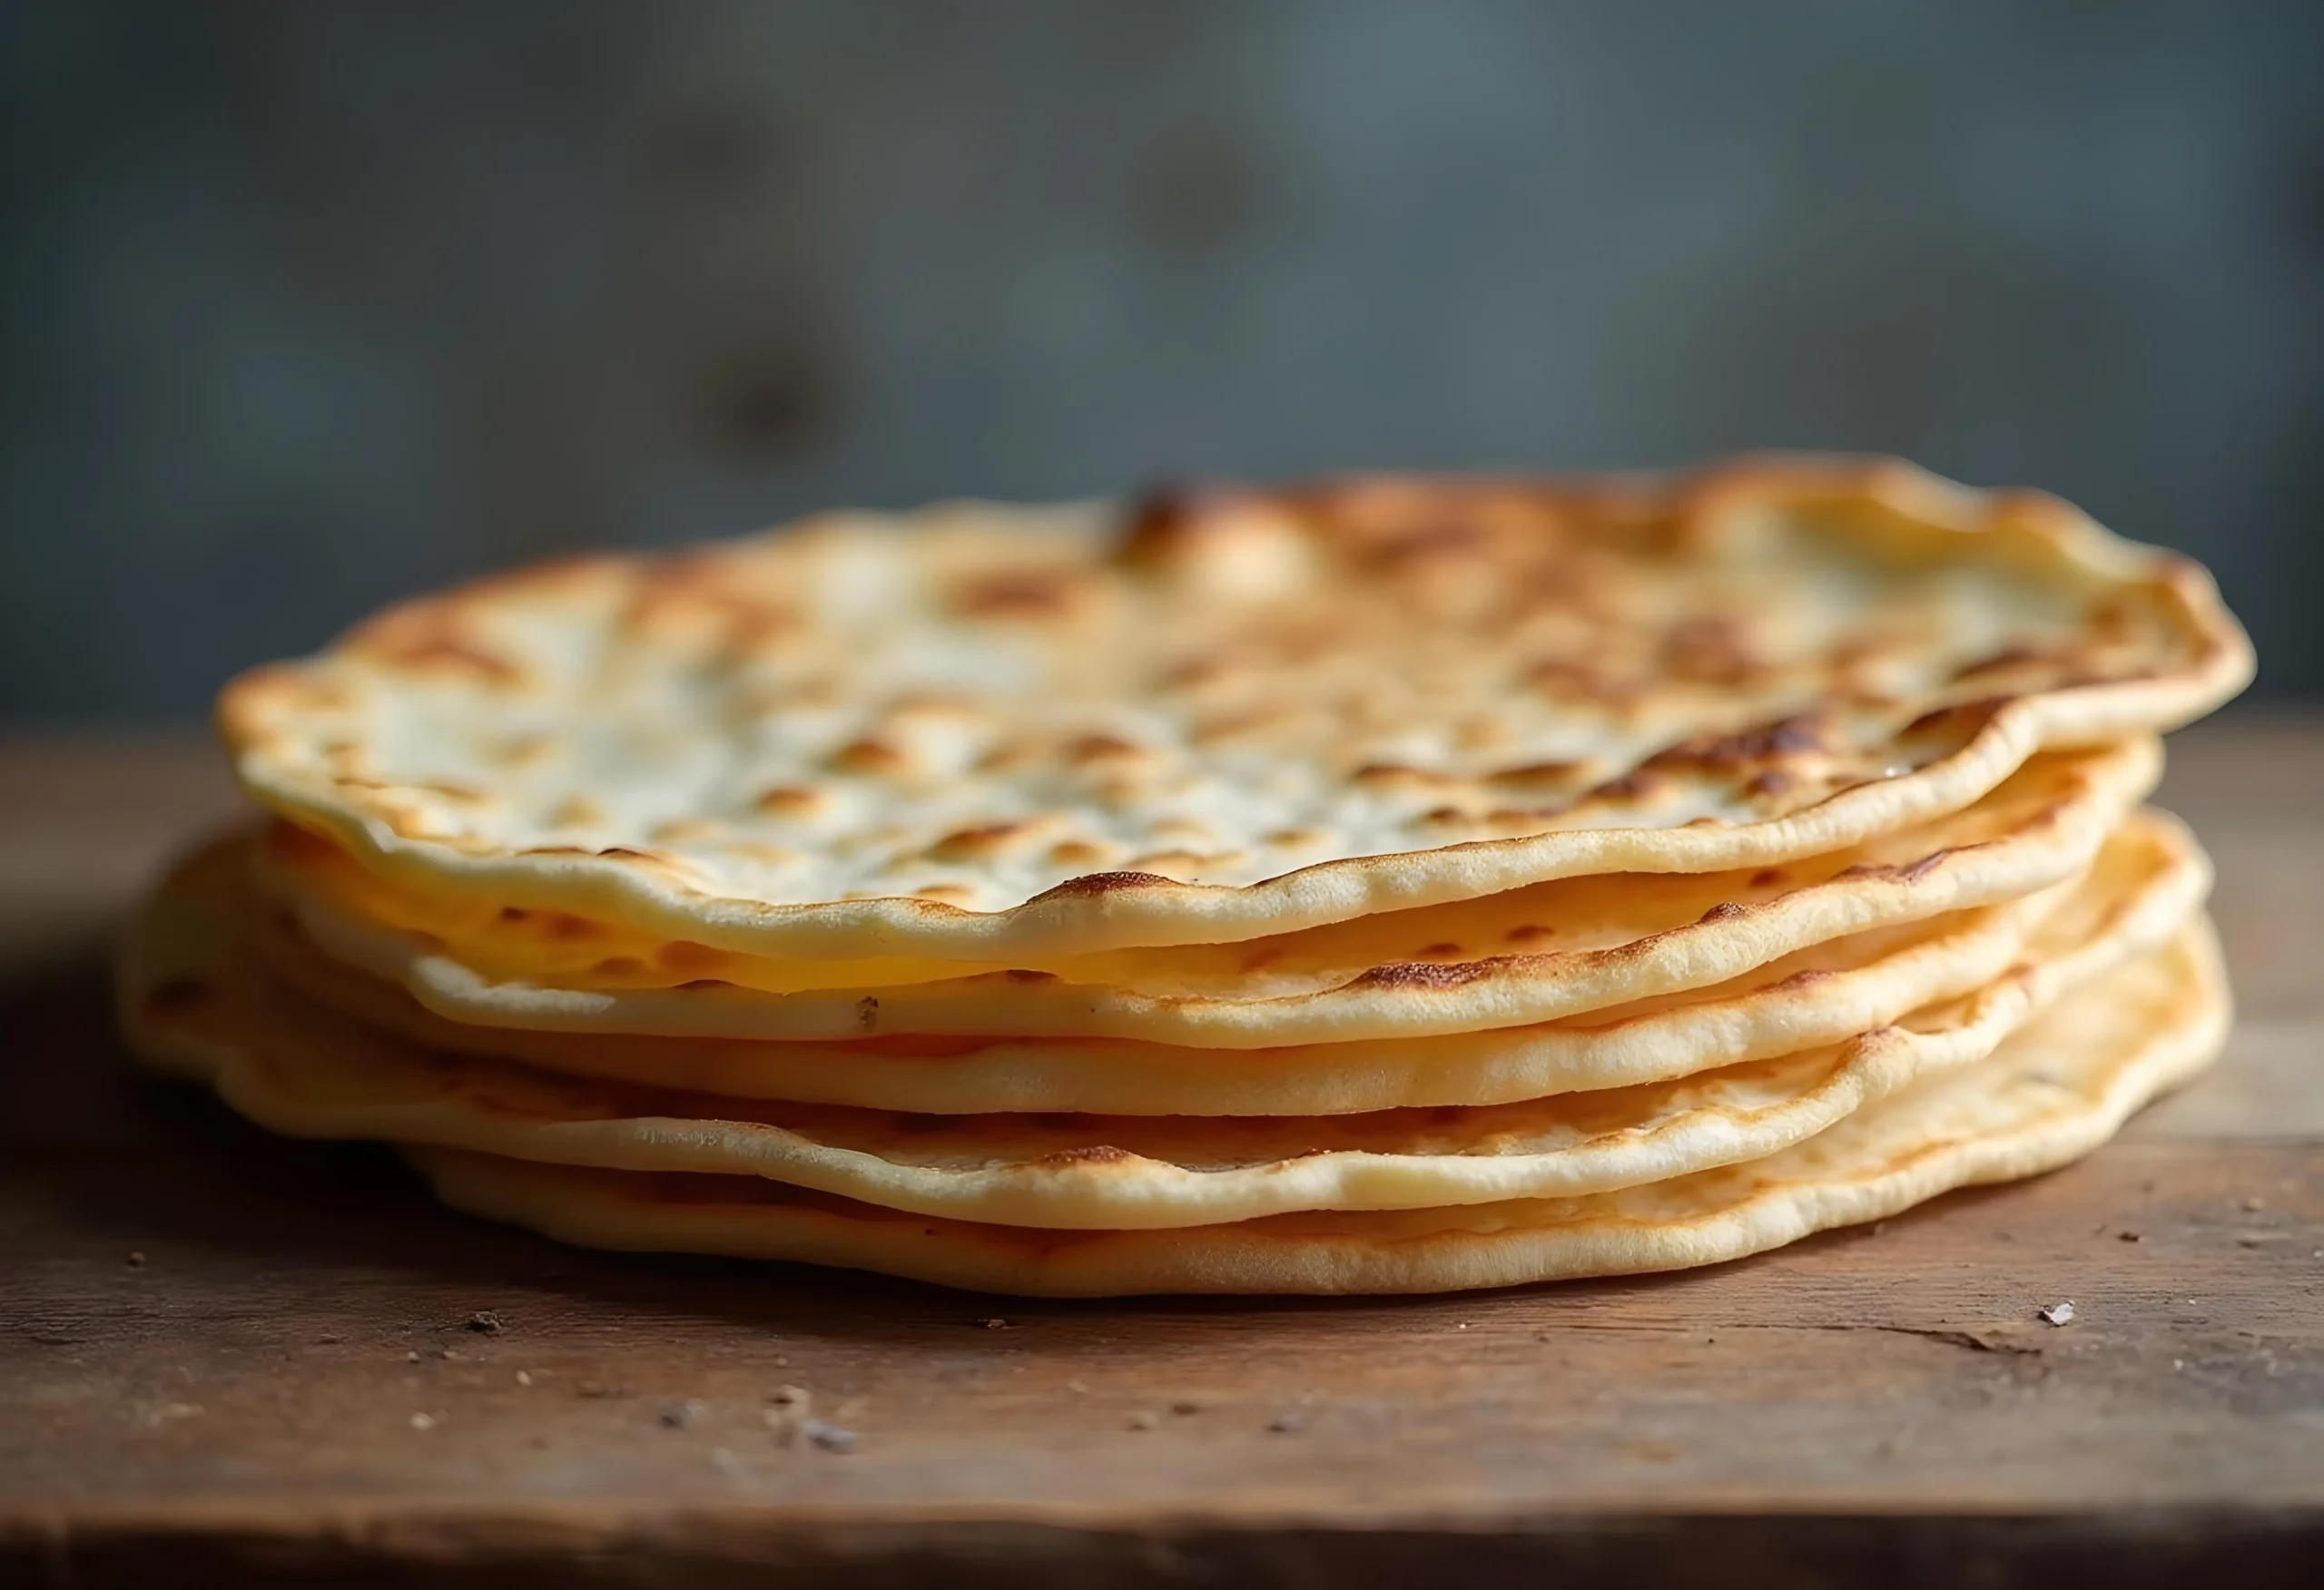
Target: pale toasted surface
(988,733)
(1497,962)
(195,1002)
(1825,1410)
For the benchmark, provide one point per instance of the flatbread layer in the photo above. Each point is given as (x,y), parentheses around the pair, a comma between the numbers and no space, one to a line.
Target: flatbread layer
(1822,994)
(1527,956)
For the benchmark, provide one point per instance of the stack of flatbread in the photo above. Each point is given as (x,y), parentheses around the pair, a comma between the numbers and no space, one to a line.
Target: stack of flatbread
(1387,885)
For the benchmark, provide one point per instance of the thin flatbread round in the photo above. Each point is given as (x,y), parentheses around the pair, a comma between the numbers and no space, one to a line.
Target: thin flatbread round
(501,944)
(1817,996)
(2057,1090)
(297,1069)
(1002,734)
(1531,954)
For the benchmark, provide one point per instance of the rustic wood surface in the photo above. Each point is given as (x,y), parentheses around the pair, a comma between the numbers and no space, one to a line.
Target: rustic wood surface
(222,1353)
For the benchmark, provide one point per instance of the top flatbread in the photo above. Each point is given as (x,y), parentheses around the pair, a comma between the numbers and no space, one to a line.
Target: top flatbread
(990,734)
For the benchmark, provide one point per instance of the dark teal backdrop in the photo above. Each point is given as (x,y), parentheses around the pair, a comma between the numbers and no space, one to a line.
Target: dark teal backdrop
(308,304)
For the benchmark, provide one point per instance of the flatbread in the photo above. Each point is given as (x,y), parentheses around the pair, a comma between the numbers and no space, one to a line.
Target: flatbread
(297,1069)
(1528,956)
(2151,868)
(2051,1094)
(1001,735)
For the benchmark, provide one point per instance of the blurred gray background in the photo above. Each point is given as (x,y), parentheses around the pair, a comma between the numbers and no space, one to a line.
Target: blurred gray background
(307,305)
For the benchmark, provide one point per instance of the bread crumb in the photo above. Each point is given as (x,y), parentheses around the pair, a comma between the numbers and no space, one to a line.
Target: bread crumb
(829,1437)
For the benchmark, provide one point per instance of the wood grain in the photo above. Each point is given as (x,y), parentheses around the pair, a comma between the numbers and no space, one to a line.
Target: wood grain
(238,1397)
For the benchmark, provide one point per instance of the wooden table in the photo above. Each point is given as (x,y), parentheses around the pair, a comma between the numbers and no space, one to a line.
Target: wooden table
(224,1355)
